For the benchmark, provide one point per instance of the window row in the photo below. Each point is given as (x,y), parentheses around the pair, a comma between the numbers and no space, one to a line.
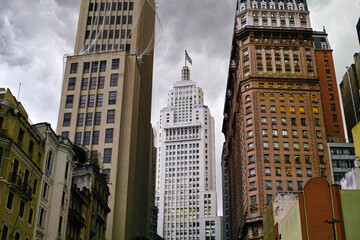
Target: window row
(294,121)
(108,34)
(94,66)
(89,118)
(93,82)
(90,100)
(94,20)
(111,6)
(276,145)
(287,159)
(84,138)
(106,48)
(284,133)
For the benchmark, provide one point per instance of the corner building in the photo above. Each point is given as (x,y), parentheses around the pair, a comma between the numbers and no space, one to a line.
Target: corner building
(186,183)
(275,136)
(106,104)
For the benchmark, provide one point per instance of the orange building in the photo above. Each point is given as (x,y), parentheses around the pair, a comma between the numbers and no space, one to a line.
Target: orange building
(328,85)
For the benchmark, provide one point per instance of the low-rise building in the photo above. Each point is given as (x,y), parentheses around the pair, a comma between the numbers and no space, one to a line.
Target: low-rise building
(21,169)
(55,185)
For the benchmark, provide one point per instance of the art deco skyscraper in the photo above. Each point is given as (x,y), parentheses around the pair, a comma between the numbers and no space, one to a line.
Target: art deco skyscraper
(186,185)
(275,135)
(106,104)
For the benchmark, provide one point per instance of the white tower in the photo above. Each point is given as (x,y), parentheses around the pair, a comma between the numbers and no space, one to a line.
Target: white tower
(186,184)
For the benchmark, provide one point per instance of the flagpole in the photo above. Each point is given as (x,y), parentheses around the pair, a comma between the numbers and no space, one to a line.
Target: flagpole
(185,58)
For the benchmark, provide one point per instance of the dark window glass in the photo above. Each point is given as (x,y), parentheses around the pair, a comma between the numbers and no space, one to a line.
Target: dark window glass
(91,100)
(99,100)
(96,7)
(101,20)
(71,84)
(107,155)
(102,66)
(67,119)
(113,7)
(102,7)
(95,20)
(97,120)
(66,170)
(78,138)
(131,5)
(106,20)
(115,63)
(80,120)
(105,34)
(21,135)
(109,135)
(101,82)
(73,68)
(87,135)
(31,147)
(119,6)
(124,19)
(112,98)
(130,19)
(125,6)
(87,34)
(106,171)
(60,224)
(118,19)
(69,101)
(31,212)
(127,48)
(110,116)
(108,6)
(128,34)
(114,80)
(84,83)
(93,83)
(93,34)
(117,34)
(94,66)
(4,232)
(95,139)
(89,117)
(112,20)
(65,134)
(111,34)
(9,202)
(122,34)
(82,101)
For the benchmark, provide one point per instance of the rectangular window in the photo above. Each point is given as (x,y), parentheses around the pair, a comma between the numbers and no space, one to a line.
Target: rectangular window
(67,119)
(131,6)
(80,120)
(95,139)
(130,19)
(84,84)
(87,136)
(119,6)
(115,64)
(112,98)
(45,190)
(78,136)
(109,135)
(118,19)
(97,120)
(60,225)
(106,171)
(73,67)
(110,116)
(91,100)
(124,18)
(10,199)
(71,84)
(82,101)
(89,117)
(93,83)
(268,184)
(103,66)
(114,80)
(42,214)
(112,20)
(21,209)
(69,101)
(122,34)
(107,155)
(117,35)
(99,100)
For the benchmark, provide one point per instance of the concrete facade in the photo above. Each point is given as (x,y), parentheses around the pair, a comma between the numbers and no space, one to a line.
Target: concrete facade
(186,176)
(106,104)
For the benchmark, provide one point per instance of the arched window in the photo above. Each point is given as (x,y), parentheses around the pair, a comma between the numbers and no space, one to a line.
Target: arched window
(281,98)
(272,97)
(262,97)
(291,98)
(4,232)
(247,99)
(48,163)
(301,98)
(313,98)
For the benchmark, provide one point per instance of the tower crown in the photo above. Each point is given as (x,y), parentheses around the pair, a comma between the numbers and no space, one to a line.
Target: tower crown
(185,73)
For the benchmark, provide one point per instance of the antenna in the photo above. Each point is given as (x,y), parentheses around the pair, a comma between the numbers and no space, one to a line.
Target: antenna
(18,97)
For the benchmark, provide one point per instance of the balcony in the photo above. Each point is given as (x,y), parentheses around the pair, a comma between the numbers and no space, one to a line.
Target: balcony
(17,185)
(76,218)
(3,132)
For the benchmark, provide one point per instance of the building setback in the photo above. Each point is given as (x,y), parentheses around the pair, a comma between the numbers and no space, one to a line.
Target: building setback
(106,104)
(274,126)
(186,186)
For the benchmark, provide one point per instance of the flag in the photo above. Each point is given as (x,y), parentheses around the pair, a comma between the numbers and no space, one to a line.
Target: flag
(187,57)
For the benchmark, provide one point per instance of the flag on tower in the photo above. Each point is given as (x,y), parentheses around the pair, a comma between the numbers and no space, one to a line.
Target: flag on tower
(187,57)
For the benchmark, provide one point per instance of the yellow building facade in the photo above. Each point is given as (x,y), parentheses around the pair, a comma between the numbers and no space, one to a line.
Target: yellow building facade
(21,161)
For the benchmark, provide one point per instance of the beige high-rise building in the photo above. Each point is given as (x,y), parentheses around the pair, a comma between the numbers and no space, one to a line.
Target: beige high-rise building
(106,104)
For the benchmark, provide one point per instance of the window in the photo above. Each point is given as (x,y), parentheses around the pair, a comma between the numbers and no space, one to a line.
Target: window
(305,133)
(78,136)
(272,109)
(115,64)
(93,83)
(278,185)
(94,66)
(263,120)
(249,122)
(112,98)
(289,185)
(320,146)
(60,225)
(97,120)
(110,116)
(87,136)
(113,80)
(106,171)
(252,185)
(80,120)
(297,158)
(308,172)
(278,171)
(69,101)
(109,135)
(318,133)
(292,109)
(252,172)
(107,155)
(82,101)
(317,122)
(315,110)
(273,121)
(266,158)
(267,171)
(281,97)
(91,100)
(67,119)
(73,67)
(101,82)
(84,84)
(253,200)
(303,121)
(293,121)
(71,83)
(287,158)
(276,145)
(250,134)
(307,159)
(42,214)
(306,146)
(283,121)
(327,71)
(123,18)
(335,118)
(291,97)
(272,97)
(266,145)
(275,132)
(10,199)
(264,132)
(286,146)
(4,232)
(34,187)
(95,139)
(250,146)
(99,100)
(268,184)
(331,97)
(262,97)
(296,146)
(89,117)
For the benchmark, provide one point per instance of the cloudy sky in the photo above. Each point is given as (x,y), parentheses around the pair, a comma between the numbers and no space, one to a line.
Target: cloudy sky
(35,35)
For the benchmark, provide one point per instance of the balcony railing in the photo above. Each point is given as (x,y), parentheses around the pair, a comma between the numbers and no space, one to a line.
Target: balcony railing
(3,132)
(76,218)
(17,184)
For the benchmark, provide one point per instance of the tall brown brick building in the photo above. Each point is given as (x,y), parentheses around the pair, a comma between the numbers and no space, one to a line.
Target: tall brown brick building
(274,126)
